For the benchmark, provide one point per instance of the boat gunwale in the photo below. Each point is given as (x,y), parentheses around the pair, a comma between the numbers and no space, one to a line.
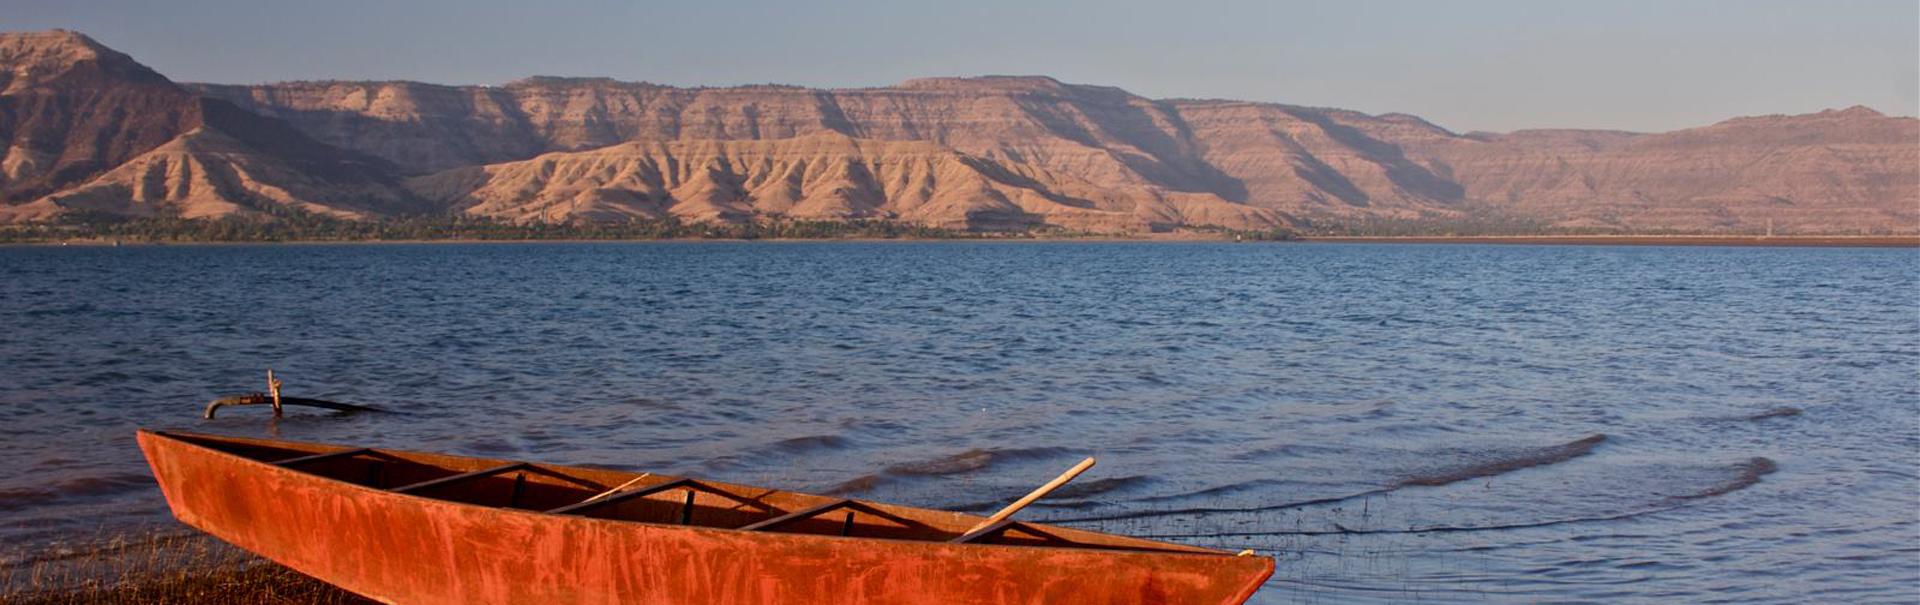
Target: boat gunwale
(177,436)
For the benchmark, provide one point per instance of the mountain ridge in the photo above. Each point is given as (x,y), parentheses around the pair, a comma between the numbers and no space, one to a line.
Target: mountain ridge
(1000,152)
(86,128)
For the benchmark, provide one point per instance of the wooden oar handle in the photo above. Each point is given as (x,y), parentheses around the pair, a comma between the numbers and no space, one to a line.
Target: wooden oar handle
(1035,495)
(617,489)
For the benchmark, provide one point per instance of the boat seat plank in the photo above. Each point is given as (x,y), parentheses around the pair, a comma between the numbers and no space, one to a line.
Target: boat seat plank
(405,489)
(298,460)
(1001,527)
(626,495)
(811,511)
(687,484)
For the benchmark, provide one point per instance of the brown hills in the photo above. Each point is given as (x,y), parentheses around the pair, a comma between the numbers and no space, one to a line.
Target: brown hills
(818,176)
(87,128)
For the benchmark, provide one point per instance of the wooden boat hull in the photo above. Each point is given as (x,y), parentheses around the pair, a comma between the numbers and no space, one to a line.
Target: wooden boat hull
(399,548)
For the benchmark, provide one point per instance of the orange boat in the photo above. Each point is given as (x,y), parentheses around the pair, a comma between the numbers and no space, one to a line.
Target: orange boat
(421,529)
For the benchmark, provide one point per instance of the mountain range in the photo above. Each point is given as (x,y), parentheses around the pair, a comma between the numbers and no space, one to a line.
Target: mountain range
(88,129)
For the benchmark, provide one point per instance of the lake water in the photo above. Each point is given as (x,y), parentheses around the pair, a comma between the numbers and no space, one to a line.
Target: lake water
(1395,423)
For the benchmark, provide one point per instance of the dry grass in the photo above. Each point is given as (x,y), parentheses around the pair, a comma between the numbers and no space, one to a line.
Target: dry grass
(159,567)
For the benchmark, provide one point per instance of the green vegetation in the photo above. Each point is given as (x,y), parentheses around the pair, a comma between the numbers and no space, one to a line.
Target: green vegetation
(1470,224)
(1276,234)
(293,226)
(299,227)
(1477,220)
(307,227)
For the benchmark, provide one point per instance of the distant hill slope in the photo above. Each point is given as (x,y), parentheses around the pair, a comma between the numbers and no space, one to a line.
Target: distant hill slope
(1841,171)
(824,176)
(997,152)
(87,128)
(1831,172)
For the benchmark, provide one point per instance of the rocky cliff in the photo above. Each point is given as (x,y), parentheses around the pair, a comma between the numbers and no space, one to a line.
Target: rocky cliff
(1833,172)
(89,128)
(822,176)
(1843,171)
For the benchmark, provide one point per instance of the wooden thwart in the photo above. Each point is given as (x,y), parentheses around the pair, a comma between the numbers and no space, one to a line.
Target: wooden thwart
(808,512)
(1001,527)
(989,531)
(318,457)
(460,477)
(615,495)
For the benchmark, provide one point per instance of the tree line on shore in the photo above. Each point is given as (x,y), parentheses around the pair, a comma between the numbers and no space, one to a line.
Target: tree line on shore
(296,226)
(289,226)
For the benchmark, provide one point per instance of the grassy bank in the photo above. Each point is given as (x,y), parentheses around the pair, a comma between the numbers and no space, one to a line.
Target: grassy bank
(160,567)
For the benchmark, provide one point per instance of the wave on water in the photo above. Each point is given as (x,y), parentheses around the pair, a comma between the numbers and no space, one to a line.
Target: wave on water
(24,497)
(1479,465)
(1749,473)
(1779,412)
(782,449)
(963,462)
(954,464)
(1340,530)
(1745,474)
(811,443)
(1506,462)
(82,487)
(1097,487)
(1071,496)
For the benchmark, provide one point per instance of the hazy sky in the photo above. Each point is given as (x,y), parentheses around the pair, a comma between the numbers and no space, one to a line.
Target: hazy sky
(1466,65)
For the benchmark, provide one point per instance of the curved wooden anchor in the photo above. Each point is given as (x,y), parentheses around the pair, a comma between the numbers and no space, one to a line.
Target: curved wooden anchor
(274,398)
(265,399)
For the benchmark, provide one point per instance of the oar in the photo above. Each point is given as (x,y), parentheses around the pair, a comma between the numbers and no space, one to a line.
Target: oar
(1035,495)
(617,489)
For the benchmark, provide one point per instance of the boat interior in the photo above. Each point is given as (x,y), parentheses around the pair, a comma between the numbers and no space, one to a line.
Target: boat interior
(651,498)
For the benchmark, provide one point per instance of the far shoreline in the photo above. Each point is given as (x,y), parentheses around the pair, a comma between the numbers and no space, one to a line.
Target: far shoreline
(1778,241)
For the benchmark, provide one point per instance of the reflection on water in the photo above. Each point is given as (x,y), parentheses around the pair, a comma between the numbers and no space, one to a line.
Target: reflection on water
(1395,423)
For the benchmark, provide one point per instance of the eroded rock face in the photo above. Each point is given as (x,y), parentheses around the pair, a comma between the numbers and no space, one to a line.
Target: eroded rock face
(71,109)
(1265,156)
(1832,172)
(87,128)
(1844,171)
(207,173)
(826,176)
(985,153)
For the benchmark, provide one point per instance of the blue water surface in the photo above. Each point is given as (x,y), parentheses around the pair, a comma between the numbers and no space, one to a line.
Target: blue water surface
(1395,423)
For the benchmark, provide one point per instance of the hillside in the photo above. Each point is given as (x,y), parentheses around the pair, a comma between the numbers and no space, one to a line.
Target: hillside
(90,129)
